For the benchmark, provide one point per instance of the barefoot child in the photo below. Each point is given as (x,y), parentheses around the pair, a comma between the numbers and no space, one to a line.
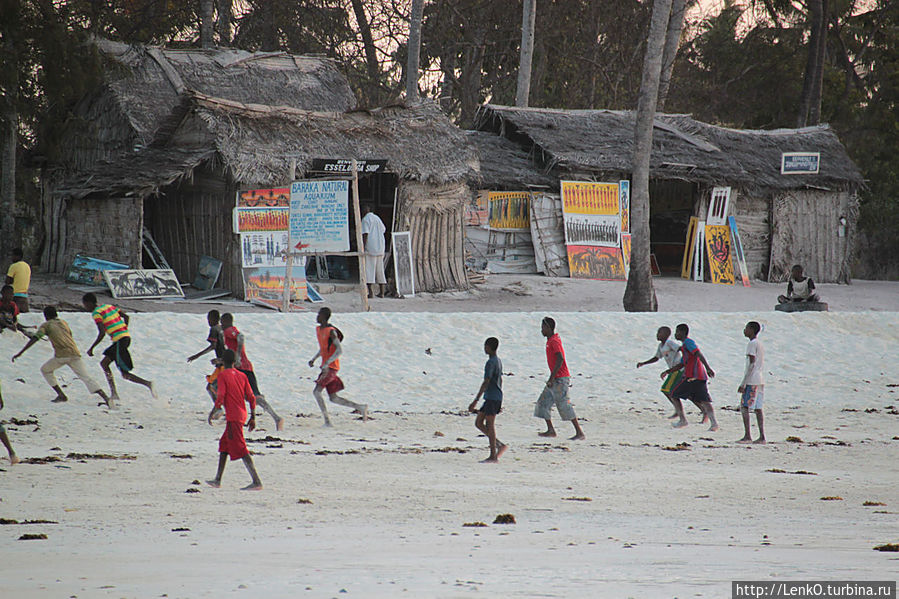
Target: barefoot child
(752,387)
(330,350)
(669,349)
(556,390)
(5,440)
(492,390)
(9,312)
(65,353)
(694,386)
(235,341)
(113,322)
(216,340)
(233,391)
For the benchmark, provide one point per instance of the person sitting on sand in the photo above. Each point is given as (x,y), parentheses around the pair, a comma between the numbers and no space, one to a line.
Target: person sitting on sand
(669,349)
(492,390)
(9,312)
(234,393)
(5,439)
(697,371)
(330,350)
(65,353)
(799,288)
(556,389)
(752,387)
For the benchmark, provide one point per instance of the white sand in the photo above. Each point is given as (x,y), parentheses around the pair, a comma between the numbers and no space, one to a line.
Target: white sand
(386,515)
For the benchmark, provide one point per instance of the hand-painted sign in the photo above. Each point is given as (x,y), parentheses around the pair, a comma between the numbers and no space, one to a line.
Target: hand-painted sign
(800,163)
(259,220)
(319,217)
(624,201)
(509,210)
(278,197)
(721,267)
(339,165)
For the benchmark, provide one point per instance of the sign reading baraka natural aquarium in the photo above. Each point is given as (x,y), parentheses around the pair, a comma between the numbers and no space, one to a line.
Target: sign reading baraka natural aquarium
(319,216)
(340,165)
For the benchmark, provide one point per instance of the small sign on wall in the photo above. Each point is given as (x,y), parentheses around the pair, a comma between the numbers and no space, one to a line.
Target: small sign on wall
(800,163)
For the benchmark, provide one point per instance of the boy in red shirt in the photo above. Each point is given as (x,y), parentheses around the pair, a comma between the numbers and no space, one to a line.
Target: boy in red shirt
(234,340)
(556,390)
(329,349)
(233,391)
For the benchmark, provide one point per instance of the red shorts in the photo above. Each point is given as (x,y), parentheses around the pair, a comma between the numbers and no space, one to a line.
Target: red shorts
(232,441)
(330,381)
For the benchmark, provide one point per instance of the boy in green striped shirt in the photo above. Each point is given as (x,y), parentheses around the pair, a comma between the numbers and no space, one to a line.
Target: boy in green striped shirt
(113,322)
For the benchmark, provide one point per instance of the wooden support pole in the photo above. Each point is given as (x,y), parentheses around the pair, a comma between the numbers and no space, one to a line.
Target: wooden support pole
(288,270)
(357,217)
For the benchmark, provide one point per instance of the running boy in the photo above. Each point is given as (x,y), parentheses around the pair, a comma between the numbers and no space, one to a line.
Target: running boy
(752,387)
(113,322)
(697,371)
(330,350)
(492,390)
(235,341)
(5,439)
(233,391)
(65,353)
(669,349)
(556,390)
(216,340)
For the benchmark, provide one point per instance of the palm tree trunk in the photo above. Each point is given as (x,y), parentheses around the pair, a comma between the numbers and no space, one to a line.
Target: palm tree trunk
(414,50)
(639,295)
(8,139)
(528,19)
(814,68)
(206,23)
(225,14)
(672,41)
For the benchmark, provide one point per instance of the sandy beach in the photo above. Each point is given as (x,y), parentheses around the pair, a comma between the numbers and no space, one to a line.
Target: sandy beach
(383,508)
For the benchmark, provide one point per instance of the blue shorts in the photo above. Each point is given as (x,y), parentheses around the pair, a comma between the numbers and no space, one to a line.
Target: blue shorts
(491,407)
(753,397)
(694,390)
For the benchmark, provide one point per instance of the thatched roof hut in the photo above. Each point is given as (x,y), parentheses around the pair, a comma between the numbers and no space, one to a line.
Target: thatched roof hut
(208,148)
(142,88)
(784,218)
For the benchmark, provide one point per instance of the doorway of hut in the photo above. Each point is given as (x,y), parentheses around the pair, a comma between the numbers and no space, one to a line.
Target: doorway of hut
(670,209)
(377,190)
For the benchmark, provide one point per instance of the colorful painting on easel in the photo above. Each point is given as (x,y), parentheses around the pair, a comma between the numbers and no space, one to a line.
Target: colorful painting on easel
(717,241)
(596,262)
(626,250)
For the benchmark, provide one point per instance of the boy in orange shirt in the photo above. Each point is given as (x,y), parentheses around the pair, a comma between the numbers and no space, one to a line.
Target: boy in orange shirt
(329,338)
(233,391)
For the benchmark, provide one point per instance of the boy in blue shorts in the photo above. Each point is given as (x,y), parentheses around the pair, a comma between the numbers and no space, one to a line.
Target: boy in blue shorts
(669,350)
(752,387)
(492,390)
(697,371)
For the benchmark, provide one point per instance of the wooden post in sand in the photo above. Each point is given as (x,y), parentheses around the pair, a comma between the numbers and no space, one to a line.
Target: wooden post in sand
(357,218)
(288,271)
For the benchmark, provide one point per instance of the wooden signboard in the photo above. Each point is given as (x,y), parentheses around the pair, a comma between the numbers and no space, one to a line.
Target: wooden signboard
(717,241)
(142,284)
(738,250)
(403,269)
(689,248)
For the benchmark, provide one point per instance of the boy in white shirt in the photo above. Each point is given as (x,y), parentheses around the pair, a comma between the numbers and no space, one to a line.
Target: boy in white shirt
(669,350)
(752,388)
